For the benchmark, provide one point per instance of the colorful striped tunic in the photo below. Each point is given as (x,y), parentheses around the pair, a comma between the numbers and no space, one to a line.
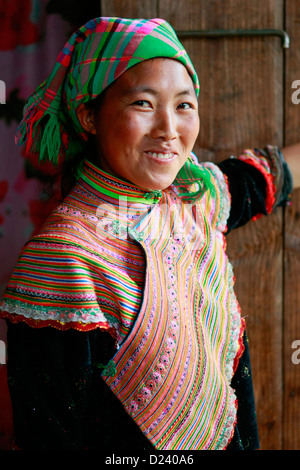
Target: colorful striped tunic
(151,270)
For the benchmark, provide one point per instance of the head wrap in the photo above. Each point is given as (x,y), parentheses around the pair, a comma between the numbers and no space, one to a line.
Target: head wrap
(93,58)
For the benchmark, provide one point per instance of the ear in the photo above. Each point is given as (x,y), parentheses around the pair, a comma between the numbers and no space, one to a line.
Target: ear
(86,117)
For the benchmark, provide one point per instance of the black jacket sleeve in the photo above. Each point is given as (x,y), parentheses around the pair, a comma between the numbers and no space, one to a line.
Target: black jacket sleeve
(59,398)
(247,187)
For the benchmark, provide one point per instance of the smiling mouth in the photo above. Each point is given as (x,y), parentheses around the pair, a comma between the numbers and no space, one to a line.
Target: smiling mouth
(162,156)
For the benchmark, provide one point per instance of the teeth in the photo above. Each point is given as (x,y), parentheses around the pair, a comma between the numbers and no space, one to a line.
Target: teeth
(163,156)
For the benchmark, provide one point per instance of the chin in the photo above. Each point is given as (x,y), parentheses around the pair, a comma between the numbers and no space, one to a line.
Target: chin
(158,184)
(157,187)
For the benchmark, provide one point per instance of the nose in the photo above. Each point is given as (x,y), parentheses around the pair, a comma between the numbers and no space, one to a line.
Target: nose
(164,125)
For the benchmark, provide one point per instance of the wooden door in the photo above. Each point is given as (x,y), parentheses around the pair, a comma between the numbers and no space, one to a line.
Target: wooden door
(245,101)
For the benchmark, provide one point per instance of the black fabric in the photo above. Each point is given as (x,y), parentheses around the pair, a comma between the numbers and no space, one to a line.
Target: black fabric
(58,396)
(60,401)
(246,431)
(247,188)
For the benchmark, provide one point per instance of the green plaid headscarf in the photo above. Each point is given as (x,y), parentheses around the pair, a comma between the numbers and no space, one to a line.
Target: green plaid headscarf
(93,58)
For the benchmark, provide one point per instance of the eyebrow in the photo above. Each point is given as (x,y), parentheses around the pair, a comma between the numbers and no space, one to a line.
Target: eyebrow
(145,89)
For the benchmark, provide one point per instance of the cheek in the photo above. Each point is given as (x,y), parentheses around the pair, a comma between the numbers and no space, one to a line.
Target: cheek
(190,130)
(130,129)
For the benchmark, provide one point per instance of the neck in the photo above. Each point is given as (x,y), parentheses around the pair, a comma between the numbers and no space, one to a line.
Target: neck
(115,188)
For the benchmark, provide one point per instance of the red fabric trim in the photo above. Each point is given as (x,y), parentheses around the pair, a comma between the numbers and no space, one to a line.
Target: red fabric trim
(271,189)
(55,324)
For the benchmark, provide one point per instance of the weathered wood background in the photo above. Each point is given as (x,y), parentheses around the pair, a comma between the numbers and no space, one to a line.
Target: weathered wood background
(245,101)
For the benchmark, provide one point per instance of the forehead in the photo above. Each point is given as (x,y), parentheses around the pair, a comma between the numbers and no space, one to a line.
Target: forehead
(159,74)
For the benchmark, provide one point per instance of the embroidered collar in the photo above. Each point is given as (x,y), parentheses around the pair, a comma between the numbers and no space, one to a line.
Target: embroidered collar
(116,188)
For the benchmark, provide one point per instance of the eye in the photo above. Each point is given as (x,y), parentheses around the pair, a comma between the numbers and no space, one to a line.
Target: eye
(142,103)
(185,106)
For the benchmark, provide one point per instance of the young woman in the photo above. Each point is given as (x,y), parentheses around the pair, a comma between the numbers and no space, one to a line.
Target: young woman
(124,331)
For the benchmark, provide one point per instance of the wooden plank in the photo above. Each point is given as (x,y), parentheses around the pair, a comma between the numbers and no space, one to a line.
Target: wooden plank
(200,14)
(256,254)
(241,106)
(291,414)
(291,405)
(129,8)
(234,73)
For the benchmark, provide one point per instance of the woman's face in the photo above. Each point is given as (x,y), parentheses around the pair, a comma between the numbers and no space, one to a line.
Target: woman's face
(147,124)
